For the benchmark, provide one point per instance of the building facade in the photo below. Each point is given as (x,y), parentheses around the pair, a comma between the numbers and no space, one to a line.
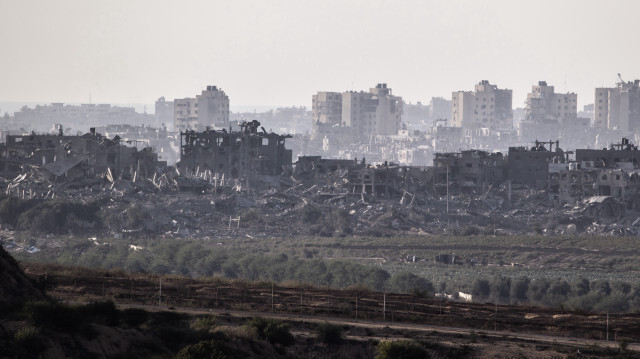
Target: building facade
(373,113)
(358,114)
(545,106)
(326,112)
(618,108)
(209,109)
(164,112)
(213,108)
(185,115)
(486,107)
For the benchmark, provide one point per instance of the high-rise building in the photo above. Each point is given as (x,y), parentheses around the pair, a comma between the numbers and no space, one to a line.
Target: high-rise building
(486,107)
(164,112)
(327,108)
(326,112)
(185,114)
(546,106)
(618,107)
(213,108)
(360,114)
(372,113)
(209,109)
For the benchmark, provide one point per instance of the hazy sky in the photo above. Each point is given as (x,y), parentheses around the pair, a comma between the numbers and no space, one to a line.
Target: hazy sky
(280,52)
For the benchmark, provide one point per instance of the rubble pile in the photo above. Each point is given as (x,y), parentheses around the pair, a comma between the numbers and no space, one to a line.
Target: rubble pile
(314,202)
(243,183)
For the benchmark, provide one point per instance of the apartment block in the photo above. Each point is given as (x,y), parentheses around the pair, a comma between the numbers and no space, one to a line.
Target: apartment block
(485,107)
(545,106)
(185,115)
(209,109)
(326,112)
(360,114)
(164,112)
(618,108)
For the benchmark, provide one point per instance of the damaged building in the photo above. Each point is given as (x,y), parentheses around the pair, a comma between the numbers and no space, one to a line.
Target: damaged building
(609,172)
(530,166)
(234,154)
(59,158)
(470,170)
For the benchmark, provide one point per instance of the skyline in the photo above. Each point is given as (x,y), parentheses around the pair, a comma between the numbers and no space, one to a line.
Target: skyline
(282,52)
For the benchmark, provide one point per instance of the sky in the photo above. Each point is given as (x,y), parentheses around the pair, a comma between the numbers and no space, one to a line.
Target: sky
(281,52)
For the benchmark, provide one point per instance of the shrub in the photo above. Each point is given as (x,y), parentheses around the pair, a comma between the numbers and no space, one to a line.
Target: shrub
(481,289)
(27,342)
(134,317)
(407,282)
(176,337)
(136,215)
(251,217)
(470,231)
(100,312)
(215,348)
(271,330)
(328,333)
(403,349)
(55,216)
(166,318)
(46,314)
(518,290)
(310,214)
(10,209)
(207,323)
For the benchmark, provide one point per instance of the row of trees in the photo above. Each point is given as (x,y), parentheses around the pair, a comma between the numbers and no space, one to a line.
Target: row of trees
(48,216)
(600,296)
(197,260)
(61,216)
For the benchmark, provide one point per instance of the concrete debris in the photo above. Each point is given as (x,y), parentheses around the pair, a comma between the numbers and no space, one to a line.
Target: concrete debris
(238,184)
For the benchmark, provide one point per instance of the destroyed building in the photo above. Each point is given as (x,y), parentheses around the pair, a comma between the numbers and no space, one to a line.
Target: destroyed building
(67,158)
(578,184)
(163,142)
(388,180)
(530,166)
(617,155)
(468,170)
(250,151)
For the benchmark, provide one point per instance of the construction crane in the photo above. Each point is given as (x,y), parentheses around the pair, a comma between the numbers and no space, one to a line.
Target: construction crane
(620,78)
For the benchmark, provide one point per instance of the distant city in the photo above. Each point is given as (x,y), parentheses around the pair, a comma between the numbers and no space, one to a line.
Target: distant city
(375,124)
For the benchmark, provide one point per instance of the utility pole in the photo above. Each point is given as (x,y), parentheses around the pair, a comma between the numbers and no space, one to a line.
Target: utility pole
(447,188)
(384,308)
